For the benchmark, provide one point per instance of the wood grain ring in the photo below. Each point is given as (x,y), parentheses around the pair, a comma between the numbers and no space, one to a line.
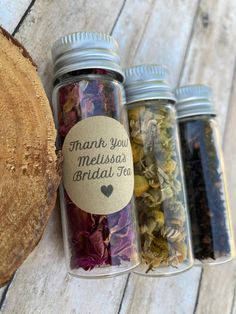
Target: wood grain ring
(29,166)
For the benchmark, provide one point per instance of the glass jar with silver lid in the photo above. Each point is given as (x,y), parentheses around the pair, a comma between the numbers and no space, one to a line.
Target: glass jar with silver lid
(204,171)
(159,183)
(96,197)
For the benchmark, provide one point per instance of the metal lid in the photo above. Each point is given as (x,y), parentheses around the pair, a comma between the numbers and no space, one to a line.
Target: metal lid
(148,81)
(85,50)
(193,100)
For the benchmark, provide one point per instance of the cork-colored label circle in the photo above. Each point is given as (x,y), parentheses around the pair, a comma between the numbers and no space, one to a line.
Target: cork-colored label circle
(98,166)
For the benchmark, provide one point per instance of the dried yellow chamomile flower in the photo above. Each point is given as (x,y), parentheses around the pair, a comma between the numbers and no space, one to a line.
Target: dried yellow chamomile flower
(152,198)
(159,186)
(157,253)
(169,166)
(140,185)
(155,221)
(135,113)
(137,152)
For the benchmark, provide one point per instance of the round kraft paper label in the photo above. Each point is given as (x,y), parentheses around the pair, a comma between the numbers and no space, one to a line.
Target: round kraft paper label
(98,165)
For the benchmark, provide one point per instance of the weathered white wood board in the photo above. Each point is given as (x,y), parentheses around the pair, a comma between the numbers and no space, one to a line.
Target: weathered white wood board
(220,282)
(229,152)
(130,27)
(161,295)
(11,13)
(217,289)
(195,58)
(130,7)
(211,55)
(42,285)
(210,60)
(48,20)
(153,47)
(25,36)
(154,32)
(234,306)
(166,35)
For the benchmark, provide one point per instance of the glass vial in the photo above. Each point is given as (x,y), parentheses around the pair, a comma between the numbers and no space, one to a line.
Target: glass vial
(204,171)
(159,185)
(96,197)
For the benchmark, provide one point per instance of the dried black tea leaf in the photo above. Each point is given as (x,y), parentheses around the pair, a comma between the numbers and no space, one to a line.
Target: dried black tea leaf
(205,188)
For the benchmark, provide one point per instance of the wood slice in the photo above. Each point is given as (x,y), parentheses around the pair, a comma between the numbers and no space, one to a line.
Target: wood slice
(29,167)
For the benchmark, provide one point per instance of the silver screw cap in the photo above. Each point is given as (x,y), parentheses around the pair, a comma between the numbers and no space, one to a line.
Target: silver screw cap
(85,50)
(148,81)
(194,100)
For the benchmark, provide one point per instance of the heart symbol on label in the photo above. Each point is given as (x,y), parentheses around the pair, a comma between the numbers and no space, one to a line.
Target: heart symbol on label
(107,190)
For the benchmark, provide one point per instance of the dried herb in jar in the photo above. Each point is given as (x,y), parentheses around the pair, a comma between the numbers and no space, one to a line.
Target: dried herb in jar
(96,240)
(212,232)
(205,187)
(158,184)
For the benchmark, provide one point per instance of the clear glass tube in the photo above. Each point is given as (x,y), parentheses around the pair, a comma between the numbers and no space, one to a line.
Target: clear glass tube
(206,190)
(95,245)
(159,189)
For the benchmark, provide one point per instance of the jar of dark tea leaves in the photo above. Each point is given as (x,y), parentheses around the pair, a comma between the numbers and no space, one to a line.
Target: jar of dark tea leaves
(207,195)
(159,184)
(96,197)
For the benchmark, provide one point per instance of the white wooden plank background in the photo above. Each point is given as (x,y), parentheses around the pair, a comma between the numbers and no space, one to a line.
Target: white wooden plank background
(49,19)
(197,40)
(166,35)
(234,306)
(220,282)
(211,60)
(44,272)
(230,151)
(162,295)
(172,53)
(211,54)
(11,13)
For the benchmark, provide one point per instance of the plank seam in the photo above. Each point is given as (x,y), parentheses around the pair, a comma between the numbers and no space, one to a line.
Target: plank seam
(3,298)
(123,295)
(23,17)
(198,291)
(233,301)
(230,102)
(120,12)
(145,26)
(189,42)
(118,16)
